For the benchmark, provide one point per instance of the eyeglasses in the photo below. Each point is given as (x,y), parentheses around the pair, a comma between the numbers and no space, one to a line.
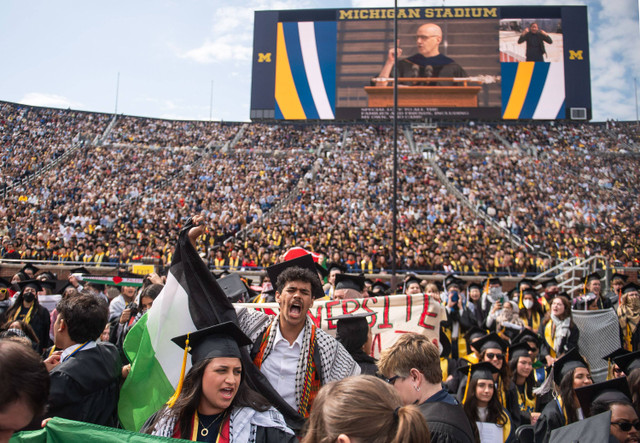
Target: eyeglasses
(617,371)
(491,356)
(392,380)
(625,426)
(425,37)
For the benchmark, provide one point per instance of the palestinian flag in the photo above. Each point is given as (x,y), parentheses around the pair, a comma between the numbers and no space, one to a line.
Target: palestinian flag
(190,300)
(111,281)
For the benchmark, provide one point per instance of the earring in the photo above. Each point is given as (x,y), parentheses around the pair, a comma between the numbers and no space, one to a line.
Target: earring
(417,388)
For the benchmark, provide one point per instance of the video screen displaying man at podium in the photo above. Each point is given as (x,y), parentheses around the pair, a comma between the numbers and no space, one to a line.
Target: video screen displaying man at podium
(427,63)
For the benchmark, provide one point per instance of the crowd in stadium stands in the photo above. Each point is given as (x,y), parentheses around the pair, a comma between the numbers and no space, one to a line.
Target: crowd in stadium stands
(31,138)
(565,190)
(140,131)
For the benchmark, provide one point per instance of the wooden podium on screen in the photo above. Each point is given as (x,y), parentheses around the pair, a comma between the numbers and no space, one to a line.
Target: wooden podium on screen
(459,95)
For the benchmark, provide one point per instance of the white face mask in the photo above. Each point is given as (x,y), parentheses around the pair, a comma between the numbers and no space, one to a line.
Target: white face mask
(528,304)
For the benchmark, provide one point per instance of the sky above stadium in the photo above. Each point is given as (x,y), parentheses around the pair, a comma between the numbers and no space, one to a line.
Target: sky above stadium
(167,53)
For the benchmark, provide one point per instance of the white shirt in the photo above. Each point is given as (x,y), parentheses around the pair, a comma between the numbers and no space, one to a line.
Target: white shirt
(281,365)
(68,351)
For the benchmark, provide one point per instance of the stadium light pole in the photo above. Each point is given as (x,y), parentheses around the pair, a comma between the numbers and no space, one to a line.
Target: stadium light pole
(395,147)
(211,103)
(117,92)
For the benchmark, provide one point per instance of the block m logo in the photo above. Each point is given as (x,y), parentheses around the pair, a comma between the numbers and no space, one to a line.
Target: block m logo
(575,55)
(266,58)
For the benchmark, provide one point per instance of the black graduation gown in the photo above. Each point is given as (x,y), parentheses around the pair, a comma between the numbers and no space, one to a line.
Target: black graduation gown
(85,387)
(551,418)
(366,362)
(447,423)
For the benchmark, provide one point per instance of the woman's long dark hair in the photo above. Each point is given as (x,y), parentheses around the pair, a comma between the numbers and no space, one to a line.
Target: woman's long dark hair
(187,403)
(495,411)
(17,305)
(566,392)
(529,382)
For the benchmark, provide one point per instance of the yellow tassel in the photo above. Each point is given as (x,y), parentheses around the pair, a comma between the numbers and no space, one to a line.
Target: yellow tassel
(174,397)
(520,304)
(584,287)
(466,388)
(609,370)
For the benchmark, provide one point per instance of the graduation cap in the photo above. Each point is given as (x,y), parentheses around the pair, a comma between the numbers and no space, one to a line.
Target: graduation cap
(335,265)
(526,335)
(235,289)
(567,363)
(36,284)
(491,341)
(47,275)
(526,281)
(591,429)
(610,391)
(453,280)
(352,329)
(518,350)
(221,340)
(304,262)
(549,283)
(618,276)
(62,286)
(380,288)
(609,359)
(80,270)
(493,281)
(412,278)
(474,285)
(593,276)
(30,267)
(630,287)
(628,362)
(349,281)
(49,284)
(480,371)
(4,283)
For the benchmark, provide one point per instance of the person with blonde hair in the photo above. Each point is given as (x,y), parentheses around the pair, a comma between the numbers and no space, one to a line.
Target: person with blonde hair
(375,414)
(412,366)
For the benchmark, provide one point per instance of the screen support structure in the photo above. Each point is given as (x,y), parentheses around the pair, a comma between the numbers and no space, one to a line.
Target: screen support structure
(395,148)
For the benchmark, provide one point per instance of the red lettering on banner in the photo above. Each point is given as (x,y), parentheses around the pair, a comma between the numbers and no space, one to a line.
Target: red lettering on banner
(328,306)
(345,304)
(385,316)
(408,308)
(425,314)
(373,318)
(377,341)
(317,319)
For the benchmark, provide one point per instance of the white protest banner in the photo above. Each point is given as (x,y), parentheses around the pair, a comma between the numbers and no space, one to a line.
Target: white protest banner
(393,315)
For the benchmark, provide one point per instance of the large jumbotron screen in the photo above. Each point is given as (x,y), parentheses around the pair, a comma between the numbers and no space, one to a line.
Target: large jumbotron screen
(492,63)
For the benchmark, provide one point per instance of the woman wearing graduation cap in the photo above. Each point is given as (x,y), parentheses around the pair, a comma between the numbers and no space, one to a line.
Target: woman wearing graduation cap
(27,308)
(568,373)
(213,403)
(481,403)
(354,334)
(629,316)
(521,365)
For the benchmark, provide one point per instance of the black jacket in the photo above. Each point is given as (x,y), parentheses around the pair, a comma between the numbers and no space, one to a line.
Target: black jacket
(447,423)
(85,387)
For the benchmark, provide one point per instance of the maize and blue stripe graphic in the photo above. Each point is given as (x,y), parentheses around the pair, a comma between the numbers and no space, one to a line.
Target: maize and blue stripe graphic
(306,70)
(533,90)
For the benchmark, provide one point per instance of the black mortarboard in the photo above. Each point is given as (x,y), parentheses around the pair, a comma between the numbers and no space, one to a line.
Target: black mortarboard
(481,371)
(234,288)
(617,353)
(490,341)
(380,287)
(472,334)
(49,284)
(619,276)
(493,281)
(304,262)
(335,265)
(352,330)
(526,281)
(630,287)
(549,283)
(526,335)
(530,291)
(47,275)
(453,280)
(614,390)
(592,429)
(628,362)
(62,286)
(321,270)
(349,281)
(30,283)
(412,278)
(473,285)
(521,349)
(446,344)
(30,267)
(4,283)
(567,363)
(80,270)
(222,340)
(594,276)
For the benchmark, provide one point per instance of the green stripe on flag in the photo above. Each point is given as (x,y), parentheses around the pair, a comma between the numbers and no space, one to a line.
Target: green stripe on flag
(138,402)
(69,431)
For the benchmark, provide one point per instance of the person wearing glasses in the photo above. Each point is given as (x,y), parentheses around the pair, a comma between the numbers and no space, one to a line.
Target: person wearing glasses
(428,62)
(412,366)
(612,395)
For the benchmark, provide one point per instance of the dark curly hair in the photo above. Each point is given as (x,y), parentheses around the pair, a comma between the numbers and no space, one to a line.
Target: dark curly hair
(85,315)
(296,273)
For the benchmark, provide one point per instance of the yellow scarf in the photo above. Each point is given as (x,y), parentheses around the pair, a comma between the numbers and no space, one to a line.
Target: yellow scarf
(27,318)
(549,333)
